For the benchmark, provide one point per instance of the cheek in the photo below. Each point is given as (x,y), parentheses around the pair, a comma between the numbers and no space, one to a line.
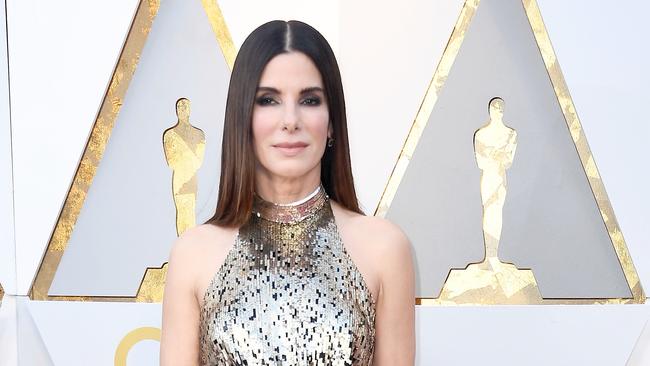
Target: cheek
(262,125)
(317,121)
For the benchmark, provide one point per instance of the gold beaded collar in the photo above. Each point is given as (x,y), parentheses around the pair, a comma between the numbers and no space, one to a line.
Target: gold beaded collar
(290,213)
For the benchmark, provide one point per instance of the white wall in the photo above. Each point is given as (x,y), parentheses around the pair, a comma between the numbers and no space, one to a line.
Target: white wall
(8,339)
(7,246)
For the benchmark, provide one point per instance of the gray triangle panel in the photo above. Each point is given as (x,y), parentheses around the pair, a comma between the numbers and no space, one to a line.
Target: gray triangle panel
(551,221)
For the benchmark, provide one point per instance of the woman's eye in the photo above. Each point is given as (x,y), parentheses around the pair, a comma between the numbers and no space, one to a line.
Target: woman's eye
(312,101)
(265,101)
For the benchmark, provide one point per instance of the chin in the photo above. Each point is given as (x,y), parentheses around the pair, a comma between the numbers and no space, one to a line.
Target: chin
(291,169)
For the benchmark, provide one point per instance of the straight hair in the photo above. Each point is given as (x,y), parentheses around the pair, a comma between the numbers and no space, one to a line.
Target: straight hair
(237,180)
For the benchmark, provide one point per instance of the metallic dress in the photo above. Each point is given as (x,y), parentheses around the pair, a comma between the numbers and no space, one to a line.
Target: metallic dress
(288,293)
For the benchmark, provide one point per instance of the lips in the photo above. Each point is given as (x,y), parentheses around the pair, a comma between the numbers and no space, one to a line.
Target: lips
(290,145)
(290,148)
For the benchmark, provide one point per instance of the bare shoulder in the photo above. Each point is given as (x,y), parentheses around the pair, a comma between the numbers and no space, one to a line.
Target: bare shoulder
(194,255)
(198,246)
(197,239)
(380,229)
(387,240)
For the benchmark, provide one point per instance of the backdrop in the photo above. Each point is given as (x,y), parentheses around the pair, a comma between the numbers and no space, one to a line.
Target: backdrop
(56,67)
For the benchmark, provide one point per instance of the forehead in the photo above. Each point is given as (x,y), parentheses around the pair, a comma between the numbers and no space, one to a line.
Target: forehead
(290,70)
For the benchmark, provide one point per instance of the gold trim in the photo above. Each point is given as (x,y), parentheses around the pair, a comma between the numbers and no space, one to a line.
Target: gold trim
(152,286)
(571,117)
(96,144)
(220,29)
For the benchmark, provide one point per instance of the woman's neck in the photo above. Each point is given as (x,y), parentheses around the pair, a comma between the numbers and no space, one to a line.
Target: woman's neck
(293,212)
(286,191)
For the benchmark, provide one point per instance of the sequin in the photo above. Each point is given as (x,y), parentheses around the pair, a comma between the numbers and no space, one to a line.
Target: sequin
(288,293)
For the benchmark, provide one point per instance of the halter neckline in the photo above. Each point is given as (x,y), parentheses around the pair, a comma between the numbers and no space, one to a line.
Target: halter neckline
(293,212)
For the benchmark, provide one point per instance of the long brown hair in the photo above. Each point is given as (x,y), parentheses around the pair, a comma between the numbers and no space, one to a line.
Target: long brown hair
(237,182)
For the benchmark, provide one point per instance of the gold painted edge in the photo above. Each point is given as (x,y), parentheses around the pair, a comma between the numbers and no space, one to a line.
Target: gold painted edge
(424,112)
(96,144)
(220,29)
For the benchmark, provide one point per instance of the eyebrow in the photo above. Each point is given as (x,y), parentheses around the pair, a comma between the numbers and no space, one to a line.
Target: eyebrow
(303,91)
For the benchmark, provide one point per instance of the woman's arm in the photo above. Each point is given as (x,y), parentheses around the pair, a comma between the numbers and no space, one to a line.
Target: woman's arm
(179,343)
(395,312)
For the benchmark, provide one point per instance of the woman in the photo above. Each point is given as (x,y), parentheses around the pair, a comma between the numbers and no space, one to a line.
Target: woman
(288,271)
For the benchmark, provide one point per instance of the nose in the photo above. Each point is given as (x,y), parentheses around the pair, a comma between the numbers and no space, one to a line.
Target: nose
(290,120)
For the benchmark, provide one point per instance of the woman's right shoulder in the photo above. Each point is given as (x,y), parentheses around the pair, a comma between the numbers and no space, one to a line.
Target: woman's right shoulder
(199,240)
(194,254)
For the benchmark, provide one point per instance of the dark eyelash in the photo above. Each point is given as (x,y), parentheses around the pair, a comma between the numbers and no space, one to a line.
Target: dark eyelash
(264,100)
(316,101)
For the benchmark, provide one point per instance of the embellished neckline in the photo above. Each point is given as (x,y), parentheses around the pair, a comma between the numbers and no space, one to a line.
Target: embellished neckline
(288,213)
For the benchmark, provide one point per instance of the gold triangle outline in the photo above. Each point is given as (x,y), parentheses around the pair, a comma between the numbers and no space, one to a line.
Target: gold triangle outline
(573,123)
(123,72)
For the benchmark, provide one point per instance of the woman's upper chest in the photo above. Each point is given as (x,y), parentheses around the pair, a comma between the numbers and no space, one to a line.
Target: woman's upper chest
(355,240)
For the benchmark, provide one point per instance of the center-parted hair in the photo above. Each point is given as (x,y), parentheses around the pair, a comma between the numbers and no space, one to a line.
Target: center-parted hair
(237,182)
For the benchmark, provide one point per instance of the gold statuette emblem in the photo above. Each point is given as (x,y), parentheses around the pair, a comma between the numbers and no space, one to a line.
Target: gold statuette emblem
(491,279)
(184,147)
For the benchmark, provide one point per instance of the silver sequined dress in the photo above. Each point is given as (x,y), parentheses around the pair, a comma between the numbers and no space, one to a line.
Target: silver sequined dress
(288,293)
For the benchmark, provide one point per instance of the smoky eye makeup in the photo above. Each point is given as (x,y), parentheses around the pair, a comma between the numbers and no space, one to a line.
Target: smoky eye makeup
(312,100)
(269,99)
(264,100)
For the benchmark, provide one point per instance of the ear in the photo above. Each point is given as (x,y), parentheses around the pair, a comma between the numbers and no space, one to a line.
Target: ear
(330,130)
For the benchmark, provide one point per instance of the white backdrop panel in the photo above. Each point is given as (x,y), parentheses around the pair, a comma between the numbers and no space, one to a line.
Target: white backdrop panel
(89,333)
(8,331)
(7,245)
(531,335)
(62,54)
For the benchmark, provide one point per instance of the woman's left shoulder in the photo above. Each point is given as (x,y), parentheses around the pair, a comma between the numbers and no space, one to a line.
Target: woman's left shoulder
(379,231)
(381,227)
(389,248)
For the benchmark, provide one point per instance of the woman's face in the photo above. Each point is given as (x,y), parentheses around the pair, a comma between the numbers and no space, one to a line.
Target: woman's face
(290,118)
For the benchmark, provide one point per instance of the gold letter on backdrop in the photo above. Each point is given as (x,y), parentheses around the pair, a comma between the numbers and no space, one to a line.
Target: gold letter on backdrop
(131,339)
